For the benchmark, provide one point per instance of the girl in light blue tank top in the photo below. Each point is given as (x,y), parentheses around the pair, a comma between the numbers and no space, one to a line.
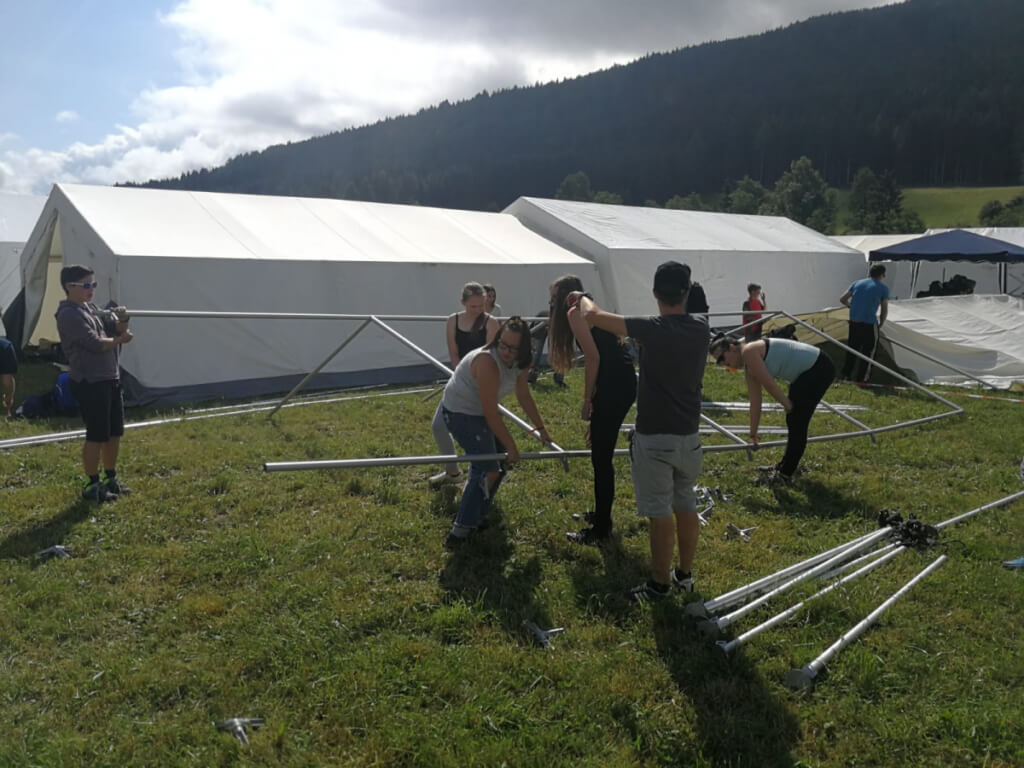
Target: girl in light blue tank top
(809,372)
(470,409)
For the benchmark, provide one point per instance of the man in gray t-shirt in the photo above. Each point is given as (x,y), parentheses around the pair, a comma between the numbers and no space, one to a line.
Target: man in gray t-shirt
(665,451)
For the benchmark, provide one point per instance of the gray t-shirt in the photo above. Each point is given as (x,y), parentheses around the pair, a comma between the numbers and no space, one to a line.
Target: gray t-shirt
(462,393)
(673,352)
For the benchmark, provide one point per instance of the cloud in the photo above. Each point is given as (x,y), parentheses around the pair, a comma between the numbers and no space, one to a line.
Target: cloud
(67,116)
(261,72)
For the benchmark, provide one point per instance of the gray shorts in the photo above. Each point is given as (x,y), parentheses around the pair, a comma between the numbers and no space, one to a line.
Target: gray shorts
(665,470)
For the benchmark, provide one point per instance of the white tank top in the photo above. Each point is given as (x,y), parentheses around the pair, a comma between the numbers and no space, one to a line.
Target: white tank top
(462,393)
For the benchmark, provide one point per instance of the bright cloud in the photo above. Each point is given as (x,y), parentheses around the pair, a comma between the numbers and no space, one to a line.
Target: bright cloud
(261,72)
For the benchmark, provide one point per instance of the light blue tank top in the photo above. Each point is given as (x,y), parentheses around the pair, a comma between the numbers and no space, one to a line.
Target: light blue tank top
(462,394)
(787,359)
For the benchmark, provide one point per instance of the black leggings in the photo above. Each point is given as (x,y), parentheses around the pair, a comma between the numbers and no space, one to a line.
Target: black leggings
(805,393)
(863,338)
(611,405)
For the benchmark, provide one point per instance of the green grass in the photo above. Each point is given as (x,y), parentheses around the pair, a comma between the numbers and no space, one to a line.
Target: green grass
(325,603)
(940,206)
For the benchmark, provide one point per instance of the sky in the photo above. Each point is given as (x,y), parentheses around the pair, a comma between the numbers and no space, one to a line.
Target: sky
(106,91)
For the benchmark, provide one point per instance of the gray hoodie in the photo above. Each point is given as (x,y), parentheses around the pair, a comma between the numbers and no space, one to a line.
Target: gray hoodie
(83,328)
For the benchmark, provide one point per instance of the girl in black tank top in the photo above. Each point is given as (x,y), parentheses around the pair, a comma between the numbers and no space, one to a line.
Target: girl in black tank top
(609,392)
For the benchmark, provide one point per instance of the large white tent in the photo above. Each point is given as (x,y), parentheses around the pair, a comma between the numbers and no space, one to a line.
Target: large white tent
(175,250)
(799,269)
(18,214)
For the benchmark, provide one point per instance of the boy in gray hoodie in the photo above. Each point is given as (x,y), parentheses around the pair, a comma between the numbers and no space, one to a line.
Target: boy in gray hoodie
(90,338)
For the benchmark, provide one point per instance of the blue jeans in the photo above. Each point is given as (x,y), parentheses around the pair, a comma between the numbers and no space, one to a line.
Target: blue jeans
(475,437)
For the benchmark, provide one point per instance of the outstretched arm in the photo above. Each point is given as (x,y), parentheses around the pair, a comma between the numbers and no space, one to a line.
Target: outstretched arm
(597,317)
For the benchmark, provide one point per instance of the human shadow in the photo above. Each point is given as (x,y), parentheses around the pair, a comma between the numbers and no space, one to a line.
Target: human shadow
(807,498)
(739,720)
(32,541)
(482,570)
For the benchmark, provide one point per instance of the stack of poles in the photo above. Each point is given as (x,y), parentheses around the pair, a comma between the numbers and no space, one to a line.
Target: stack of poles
(826,565)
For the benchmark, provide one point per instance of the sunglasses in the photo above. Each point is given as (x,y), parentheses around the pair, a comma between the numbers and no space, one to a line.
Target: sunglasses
(86,286)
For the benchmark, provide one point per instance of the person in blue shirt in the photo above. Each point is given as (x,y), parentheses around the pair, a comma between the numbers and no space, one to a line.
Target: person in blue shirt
(868,300)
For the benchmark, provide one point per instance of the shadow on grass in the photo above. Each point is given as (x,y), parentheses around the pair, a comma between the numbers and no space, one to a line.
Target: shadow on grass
(46,534)
(481,570)
(806,498)
(739,721)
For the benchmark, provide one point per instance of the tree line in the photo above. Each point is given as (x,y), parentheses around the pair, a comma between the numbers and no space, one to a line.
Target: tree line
(926,93)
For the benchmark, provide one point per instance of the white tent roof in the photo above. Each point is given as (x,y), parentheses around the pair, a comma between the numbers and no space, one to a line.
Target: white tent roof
(982,335)
(18,214)
(162,249)
(800,269)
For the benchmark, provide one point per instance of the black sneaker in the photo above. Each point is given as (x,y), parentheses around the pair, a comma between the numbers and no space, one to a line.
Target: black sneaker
(589,537)
(767,467)
(453,542)
(98,492)
(116,487)
(646,593)
(775,480)
(683,582)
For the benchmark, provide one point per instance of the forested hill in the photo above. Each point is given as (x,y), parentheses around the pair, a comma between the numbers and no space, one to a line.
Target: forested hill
(932,90)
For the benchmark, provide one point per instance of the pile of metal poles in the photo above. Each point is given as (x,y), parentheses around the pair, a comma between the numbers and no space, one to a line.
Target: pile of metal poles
(841,564)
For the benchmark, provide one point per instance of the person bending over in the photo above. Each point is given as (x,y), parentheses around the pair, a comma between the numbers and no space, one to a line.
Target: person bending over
(809,372)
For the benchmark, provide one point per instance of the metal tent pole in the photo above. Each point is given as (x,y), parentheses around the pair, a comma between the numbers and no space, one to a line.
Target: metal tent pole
(919,353)
(717,624)
(852,420)
(729,646)
(405,461)
(441,366)
(317,370)
(804,678)
(287,316)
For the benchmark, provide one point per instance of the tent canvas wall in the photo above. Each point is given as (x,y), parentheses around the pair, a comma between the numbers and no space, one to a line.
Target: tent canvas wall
(174,250)
(18,215)
(799,269)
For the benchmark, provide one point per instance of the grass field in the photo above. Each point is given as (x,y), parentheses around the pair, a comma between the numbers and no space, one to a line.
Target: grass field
(940,206)
(325,603)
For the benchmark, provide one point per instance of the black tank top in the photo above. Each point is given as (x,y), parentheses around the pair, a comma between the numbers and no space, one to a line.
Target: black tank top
(467,341)
(616,370)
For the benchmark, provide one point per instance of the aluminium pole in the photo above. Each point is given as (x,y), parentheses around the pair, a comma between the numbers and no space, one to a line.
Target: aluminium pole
(406,461)
(441,366)
(317,370)
(804,678)
(729,646)
(850,419)
(713,626)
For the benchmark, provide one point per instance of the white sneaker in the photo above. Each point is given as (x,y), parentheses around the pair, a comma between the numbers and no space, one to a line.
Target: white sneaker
(443,478)
(685,583)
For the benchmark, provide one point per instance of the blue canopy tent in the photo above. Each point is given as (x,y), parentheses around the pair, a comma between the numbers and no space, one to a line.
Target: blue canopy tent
(955,245)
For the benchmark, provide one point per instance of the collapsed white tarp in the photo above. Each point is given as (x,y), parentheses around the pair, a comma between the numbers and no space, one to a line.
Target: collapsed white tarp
(799,269)
(980,334)
(18,214)
(899,275)
(174,250)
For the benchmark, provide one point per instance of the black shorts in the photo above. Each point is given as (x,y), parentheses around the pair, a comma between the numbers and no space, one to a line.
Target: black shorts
(102,407)
(8,359)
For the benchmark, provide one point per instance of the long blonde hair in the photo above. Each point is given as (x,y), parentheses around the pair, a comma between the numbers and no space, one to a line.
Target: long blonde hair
(561,342)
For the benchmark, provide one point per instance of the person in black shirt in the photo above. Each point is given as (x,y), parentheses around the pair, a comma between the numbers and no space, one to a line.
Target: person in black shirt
(609,391)
(665,451)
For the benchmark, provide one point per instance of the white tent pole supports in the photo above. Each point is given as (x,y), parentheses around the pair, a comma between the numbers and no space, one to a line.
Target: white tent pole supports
(317,370)
(804,677)
(779,618)
(943,363)
(406,461)
(854,563)
(991,505)
(855,422)
(731,435)
(956,408)
(441,366)
(715,625)
(288,316)
(739,594)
